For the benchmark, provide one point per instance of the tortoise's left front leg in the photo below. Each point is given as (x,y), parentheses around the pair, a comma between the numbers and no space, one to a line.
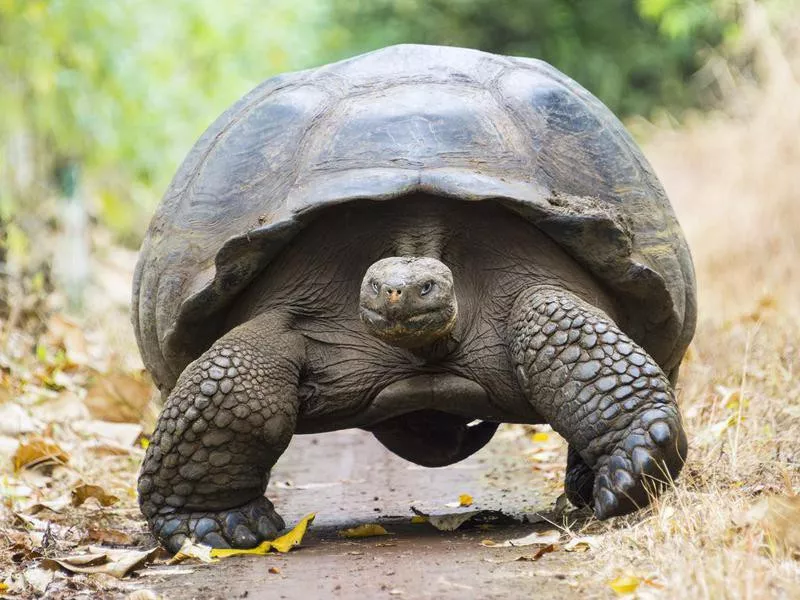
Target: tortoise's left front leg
(603,393)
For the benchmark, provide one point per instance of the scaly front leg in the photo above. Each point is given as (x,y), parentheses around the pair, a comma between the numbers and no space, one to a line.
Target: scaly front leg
(230,416)
(603,393)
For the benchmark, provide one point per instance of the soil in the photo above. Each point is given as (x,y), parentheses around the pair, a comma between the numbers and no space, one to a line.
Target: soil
(347,478)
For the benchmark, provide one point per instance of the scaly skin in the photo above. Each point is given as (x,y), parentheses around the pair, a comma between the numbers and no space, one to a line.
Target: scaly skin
(229,417)
(603,393)
(579,480)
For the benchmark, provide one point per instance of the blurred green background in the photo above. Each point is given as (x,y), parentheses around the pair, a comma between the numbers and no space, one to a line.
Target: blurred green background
(102,99)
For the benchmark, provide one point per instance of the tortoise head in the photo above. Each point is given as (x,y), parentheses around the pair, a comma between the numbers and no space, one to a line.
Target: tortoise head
(408,302)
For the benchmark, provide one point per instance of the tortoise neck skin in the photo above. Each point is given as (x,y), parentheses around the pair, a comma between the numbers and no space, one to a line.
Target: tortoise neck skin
(408,301)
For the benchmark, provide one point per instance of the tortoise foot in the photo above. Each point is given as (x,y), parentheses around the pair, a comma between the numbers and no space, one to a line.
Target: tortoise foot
(644,463)
(241,527)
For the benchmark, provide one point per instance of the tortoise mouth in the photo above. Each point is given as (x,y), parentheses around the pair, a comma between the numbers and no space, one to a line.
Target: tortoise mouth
(411,331)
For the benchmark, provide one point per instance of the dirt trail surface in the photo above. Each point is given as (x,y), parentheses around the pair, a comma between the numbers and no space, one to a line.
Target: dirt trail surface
(349,479)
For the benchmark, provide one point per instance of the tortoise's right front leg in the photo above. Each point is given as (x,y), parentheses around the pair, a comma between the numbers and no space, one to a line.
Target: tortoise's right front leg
(230,416)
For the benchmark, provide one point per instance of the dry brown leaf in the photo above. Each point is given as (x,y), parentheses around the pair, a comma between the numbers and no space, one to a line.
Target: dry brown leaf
(582,543)
(38,451)
(121,434)
(779,518)
(108,536)
(118,396)
(544,538)
(541,552)
(83,492)
(109,561)
(57,505)
(65,333)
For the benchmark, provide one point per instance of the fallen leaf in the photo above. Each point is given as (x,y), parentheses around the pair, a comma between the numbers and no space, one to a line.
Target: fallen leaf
(418,519)
(463,500)
(83,492)
(582,543)
(109,561)
(38,578)
(282,544)
(121,434)
(191,549)
(541,552)
(451,522)
(68,334)
(779,517)
(275,570)
(624,584)
(38,451)
(118,396)
(544,538)
(57,505)
(108,449)
(540,436)
(365,530)
(108,536)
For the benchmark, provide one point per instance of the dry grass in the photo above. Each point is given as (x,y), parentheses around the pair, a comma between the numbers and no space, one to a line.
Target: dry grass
(734,184)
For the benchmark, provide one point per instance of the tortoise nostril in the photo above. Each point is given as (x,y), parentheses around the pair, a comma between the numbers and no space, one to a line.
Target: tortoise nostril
(393,294)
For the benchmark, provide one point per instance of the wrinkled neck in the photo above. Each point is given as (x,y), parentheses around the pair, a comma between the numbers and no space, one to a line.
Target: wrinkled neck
(437,350)
(420,234)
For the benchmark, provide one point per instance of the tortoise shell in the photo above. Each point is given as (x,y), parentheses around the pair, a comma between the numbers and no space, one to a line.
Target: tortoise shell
(448,122)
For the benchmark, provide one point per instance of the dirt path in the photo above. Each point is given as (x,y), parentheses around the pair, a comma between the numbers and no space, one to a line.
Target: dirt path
(348,478)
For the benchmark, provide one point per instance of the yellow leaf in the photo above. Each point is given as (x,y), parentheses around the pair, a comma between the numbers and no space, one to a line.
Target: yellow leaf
(624,584)
(3,586)
(144,442)
(365,530)
(465,500)
(417,519)
(540,436)
(282,544)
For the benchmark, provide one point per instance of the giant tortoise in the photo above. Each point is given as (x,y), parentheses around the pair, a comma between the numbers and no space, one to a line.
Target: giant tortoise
(423,242)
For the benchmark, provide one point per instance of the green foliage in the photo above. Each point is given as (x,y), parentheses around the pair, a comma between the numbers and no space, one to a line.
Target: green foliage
(634,56)
(124,87)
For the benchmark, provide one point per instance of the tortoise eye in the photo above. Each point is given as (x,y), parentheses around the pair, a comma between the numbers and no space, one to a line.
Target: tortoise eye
(375,286)
(426,288)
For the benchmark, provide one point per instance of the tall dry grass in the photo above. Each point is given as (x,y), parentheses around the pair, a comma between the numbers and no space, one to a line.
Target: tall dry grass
(731,528)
